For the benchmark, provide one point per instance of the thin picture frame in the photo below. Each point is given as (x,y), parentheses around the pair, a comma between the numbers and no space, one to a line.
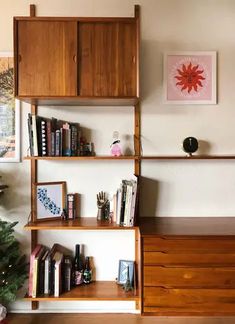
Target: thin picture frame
(190,77)
(122,272)
(50,200)
(9,138)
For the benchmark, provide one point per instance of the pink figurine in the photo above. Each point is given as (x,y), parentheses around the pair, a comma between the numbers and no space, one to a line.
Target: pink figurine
(115,146)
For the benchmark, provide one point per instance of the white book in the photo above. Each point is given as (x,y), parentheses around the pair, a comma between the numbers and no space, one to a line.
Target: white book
(128,204)
(46,276)
(57,273)
(133,203)
(35,137)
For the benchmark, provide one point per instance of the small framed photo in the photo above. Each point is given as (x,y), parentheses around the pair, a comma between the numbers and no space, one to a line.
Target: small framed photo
(122,272)
(190,78)
(9,112)
(50,200)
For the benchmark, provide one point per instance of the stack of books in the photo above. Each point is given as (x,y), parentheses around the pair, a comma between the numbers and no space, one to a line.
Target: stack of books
(125,203)
(50,271)
(53,137)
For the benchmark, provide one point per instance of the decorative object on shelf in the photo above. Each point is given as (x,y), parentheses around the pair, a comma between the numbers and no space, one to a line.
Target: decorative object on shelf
(87,275)
(116,149)
(72,206)
(103,206)
(50,200)
(190,145)
(190,78)
(78,267)
(86,148)
(13,266)
(9,112)
(127,285)
(126,268)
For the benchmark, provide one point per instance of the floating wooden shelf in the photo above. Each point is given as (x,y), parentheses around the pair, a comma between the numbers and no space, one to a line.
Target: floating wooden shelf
(184,157)
(80,101)
(133,157)
(82,223)
(82,158)
(97,290)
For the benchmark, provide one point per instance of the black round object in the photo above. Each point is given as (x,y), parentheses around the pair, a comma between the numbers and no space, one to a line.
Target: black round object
(190,144)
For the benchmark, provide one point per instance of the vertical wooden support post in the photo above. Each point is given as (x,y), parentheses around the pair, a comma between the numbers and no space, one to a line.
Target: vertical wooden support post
(34,179)
(137,145)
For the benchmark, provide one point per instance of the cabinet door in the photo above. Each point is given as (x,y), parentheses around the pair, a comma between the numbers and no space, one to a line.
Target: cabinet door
(47,58)
(107,59)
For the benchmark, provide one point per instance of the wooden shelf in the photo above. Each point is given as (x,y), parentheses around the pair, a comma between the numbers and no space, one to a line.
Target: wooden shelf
(184,157)
(97,290)
(82,223)
(82,158)
(80,101)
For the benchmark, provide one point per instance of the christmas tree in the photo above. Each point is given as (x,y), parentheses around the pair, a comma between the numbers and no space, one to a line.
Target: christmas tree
(13,266)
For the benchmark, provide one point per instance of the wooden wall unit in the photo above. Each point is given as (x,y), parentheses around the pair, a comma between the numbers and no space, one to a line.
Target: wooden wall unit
(80,61)
(188,266)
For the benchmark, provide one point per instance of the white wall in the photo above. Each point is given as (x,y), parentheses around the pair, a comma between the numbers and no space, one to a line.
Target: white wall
(176,188)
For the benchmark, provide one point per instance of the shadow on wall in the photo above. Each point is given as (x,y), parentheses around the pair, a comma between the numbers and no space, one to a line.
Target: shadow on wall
(148,197)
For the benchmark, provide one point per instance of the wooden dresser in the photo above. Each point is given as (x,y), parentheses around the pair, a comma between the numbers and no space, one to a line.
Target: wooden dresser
(188,266)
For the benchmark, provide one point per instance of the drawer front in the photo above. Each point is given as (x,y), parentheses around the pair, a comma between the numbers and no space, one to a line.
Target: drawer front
(171,277)
(158,244)
(189,258)
(162,300)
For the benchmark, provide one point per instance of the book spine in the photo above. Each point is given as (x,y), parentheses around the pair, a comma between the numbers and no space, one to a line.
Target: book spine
(35,135)
(35,278)
(67,279)
(30,132)
(123,203)
(66,142)
(133,204)
(52,143)
(39,134)
(44,137)
(57,143)
(49,138)
(74,140)
(46,276)
(31,268)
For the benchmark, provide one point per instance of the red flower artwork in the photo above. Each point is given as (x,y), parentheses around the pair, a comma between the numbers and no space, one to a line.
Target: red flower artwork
(189,77)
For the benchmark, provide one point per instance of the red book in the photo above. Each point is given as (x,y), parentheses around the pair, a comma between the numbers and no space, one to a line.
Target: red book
(32,257)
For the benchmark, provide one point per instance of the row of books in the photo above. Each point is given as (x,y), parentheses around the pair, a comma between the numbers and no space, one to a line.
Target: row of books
(53,137)
(50,271)
(125,203)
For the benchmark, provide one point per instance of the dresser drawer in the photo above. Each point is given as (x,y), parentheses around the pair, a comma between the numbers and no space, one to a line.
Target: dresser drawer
(163,300)
(172,277)
(159,244)
(189,258)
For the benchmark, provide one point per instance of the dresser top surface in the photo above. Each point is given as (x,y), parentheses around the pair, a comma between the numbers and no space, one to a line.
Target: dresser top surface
(187,226)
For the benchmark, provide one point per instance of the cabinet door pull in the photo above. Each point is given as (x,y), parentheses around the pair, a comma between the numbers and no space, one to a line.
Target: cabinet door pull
(19,58)
(75,58)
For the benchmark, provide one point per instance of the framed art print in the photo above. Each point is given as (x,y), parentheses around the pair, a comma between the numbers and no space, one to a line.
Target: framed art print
(50,200)
(9,112)
(122,271)
(190,78)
